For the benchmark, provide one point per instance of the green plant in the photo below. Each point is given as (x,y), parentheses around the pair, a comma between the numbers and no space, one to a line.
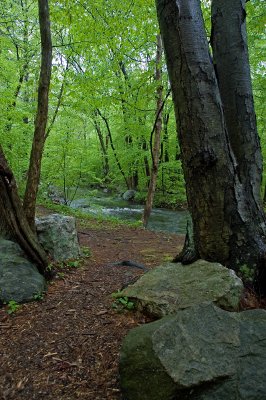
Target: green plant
(38,296)
(247,273)
(123,301)
(73,264)
(85,251)
(60,275)
(50,267)
(12,307)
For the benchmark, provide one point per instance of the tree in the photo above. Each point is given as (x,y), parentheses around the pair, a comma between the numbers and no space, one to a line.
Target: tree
(217,132)
(156,143)
(41,116)
(13,224)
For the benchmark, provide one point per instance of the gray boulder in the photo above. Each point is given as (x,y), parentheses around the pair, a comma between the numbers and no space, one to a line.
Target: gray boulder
(129,195)
(174,286)
(58,236)
(200,353)
(19,278)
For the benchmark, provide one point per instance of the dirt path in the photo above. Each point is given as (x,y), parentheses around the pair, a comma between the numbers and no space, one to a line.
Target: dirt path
(67,345)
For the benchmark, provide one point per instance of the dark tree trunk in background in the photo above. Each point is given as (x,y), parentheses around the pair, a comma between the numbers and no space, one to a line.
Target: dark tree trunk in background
(103,145)
(165,143)
(41,116)
(105,120)
(124,89)
(227,215)
(13,223)
(156,143)
(22,55)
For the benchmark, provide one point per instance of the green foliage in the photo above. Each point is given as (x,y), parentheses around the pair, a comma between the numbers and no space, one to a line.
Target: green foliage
(86,219)
(12,307)
(102,90)
(246,273)
(38,296)
(60,275)
(122,302)
(73,264)
(60,269)
(85,251)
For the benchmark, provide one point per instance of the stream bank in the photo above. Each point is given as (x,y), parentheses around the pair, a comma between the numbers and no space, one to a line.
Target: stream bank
(99,203)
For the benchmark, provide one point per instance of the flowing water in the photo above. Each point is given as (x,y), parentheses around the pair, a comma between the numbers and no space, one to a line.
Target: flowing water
(160,219)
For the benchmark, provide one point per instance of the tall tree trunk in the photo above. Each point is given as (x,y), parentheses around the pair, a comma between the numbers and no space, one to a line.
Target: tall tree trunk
(165,143)
(225,228)
(59,101)
(23,54)
(103,145)
(112,146)
(13,223)
(230,57)
(42,114)
(155,146)
(145,149)
(132,176)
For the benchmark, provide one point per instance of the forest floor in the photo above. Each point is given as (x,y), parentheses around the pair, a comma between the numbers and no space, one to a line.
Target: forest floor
(66,346)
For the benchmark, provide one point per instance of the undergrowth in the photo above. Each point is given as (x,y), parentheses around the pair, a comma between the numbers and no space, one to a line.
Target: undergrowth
(87,219)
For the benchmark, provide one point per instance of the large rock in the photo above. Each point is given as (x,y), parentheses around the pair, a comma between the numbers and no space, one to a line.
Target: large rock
(200,353)
(19,278)
(129,194)
(174,286)
(58,236)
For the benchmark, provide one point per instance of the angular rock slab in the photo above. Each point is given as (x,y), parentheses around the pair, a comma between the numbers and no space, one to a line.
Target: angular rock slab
(19,278)
(201,353)
(58,236)
(174,286)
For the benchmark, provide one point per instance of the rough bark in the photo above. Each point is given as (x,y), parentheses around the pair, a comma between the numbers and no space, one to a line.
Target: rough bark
(41,116)
(225,227)
(13,223)
(155,146)
(230,57)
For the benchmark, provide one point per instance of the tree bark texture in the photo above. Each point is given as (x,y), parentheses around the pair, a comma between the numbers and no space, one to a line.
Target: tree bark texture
(155,146)
(13,223)
(226,227)
(42,114)
(230,57)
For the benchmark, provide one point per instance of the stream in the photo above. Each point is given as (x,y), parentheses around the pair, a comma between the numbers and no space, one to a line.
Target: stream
(160,220)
